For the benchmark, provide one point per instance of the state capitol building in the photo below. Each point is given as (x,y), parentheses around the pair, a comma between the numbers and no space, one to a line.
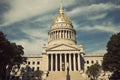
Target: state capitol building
(62,52)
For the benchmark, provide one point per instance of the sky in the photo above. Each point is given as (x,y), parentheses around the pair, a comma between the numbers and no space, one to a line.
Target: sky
(27,22)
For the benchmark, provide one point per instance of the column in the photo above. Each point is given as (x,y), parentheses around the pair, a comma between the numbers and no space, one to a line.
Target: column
(72,36)
(78,61)
(60,62)
(56,34)
(56,62)
(65,61)
(63,33)
(60,34)
(53,34)
(51,62)
(74,62)
(70,62)
(67,34)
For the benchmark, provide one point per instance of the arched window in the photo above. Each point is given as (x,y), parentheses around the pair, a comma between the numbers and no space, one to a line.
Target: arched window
(87,62)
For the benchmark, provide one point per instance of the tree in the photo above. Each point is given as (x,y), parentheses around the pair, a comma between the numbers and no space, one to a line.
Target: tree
(94,71)
(10,55)
(29,74)
(38,74)
(111,60)
(26,73)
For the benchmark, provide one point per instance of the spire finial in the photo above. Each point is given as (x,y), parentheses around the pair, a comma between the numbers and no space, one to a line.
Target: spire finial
(61,8)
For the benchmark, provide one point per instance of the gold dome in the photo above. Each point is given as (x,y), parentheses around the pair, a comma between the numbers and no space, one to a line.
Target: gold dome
(61,17)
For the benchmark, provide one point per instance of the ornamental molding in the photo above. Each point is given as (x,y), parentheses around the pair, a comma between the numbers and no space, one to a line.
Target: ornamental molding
(63,47)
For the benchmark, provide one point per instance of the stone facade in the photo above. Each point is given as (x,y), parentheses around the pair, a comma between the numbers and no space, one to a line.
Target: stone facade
(91,59)
(62,52)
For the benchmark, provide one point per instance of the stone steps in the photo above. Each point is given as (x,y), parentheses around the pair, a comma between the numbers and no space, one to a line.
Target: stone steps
(76,76)
(61,75)
(57,76)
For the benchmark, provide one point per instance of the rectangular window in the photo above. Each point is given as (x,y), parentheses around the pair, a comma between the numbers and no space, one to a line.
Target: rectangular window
(87,62)
(38,62)
(28,62)
(92,62)
(33,62)
(96,61)
(38,68)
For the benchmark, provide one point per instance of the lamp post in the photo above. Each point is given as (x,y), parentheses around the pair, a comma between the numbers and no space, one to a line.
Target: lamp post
(68,75)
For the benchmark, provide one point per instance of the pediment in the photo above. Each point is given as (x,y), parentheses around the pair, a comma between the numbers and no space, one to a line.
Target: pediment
(63,47)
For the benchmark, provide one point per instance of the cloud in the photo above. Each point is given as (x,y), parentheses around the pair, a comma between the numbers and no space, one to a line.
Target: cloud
(37,39)
(94,47)
(36,16)
(95,50)
(93,8)
(35,33)
(98,16)
(111,29)
(24,9)
(101,51)
(31,47)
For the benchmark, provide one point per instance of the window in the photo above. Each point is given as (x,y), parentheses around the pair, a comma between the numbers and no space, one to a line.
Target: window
(92,62)
(38,62)
(38,68)
(33,62)
(96,61)
(28,62)
(87,62)
(87,67)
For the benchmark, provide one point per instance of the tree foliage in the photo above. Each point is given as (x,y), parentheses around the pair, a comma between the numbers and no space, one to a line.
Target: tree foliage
(10,55)
(94,71)
(111,60)
(28,73)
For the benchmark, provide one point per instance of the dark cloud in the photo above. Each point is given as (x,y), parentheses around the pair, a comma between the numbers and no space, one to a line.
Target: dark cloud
(114,16)
(4,7)
(14,32)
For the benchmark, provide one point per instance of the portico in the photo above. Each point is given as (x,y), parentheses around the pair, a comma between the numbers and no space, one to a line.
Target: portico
(58,62)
